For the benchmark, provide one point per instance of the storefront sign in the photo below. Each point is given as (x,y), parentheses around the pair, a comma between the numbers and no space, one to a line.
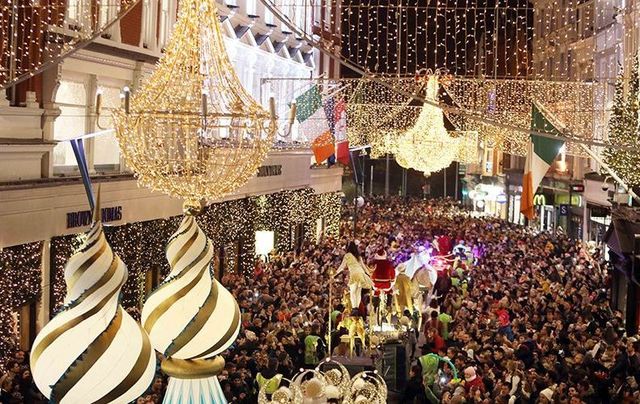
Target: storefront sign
(83,218)
(539,200)
(270,171)
(578,188)
(563,199)
(564,210)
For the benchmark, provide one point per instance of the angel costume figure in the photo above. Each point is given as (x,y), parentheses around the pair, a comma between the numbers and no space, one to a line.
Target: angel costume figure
(358,276)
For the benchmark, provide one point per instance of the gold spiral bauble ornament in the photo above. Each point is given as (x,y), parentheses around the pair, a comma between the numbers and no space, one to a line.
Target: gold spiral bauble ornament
(191,318)
(92,351)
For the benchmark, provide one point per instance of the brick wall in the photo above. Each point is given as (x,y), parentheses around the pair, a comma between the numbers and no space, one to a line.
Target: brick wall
(131,26)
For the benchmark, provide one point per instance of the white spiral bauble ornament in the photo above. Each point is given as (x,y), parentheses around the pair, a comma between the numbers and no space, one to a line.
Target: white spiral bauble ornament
(191,318)
(92,351)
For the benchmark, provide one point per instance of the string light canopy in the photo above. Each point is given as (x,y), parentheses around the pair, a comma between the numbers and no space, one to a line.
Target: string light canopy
(37,34)
(579,107)
(492,39)
(467,146)
(93,350)
(192,131)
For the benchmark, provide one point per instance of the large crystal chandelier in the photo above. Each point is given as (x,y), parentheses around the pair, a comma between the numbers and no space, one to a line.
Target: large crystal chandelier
(192,131)
(427,146)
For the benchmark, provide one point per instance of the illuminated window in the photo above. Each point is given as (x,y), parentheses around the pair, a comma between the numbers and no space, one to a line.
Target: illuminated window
(167,18)
(265,240)
(71,98)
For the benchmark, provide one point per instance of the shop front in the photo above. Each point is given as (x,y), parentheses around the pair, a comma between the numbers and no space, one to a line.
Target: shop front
(489,199)
(570,214)
(598,210)
(623,240)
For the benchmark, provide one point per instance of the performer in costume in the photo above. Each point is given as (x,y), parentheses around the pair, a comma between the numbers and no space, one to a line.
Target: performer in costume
(358,277)
(404,289)
(383,277)
(384,274)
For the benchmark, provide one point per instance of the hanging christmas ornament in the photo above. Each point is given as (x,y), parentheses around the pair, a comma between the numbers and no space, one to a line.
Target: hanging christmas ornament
(191,318)
(92,351)
(427,146)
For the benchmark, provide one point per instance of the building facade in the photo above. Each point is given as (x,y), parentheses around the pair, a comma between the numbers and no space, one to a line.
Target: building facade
(41,193)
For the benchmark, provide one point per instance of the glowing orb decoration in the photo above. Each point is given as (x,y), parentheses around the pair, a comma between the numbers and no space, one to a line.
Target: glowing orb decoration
(92,351)
(191,318)
(367,387)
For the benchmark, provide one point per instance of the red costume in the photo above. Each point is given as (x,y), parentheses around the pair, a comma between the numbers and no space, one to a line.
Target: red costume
(384,273)
(445,245)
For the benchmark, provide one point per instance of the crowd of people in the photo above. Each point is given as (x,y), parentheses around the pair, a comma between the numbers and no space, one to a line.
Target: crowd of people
(528,322)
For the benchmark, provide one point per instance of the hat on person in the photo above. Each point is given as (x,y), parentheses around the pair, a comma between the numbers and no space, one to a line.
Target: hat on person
(470,374)
(547,393)
(381,254)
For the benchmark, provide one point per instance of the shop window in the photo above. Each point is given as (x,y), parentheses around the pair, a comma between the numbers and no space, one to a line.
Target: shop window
(298,235)
(71,98)
(166,19)
(149,18)
(78,14)
(106,156)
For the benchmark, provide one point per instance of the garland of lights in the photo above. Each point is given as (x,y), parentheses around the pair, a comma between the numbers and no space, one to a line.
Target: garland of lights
(623,129)
(230,225)
(32,24)
(20,283)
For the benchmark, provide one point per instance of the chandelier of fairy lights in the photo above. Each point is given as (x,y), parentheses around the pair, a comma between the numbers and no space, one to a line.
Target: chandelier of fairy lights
(192,131)
(427,146)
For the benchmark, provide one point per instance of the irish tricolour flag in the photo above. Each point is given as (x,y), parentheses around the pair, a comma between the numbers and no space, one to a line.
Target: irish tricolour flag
(540,155)
(314,126)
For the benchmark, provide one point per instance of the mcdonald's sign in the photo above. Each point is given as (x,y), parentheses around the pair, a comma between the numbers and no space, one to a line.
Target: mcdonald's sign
(539,200)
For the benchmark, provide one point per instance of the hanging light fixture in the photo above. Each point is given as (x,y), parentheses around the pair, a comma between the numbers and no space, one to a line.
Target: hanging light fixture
(467,146)
(191,130)
(93,351)
(427,146)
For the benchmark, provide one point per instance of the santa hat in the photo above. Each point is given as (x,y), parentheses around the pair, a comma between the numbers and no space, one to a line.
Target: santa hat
(381,254)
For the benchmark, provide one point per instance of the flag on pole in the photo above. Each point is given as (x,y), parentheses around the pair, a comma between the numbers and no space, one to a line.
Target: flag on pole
(336,112)
(342,152)
(314,126)
(540,155)
(340,120)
